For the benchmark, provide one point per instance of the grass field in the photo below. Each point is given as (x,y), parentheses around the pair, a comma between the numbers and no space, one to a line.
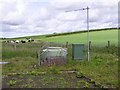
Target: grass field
(102,70)
(97,38)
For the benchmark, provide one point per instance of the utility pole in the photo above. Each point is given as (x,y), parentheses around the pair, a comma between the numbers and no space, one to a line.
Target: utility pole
(88,36)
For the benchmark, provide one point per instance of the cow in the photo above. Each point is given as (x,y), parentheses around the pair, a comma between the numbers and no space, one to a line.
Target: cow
(12,41)
(30,40)
(17,41)
(23,41)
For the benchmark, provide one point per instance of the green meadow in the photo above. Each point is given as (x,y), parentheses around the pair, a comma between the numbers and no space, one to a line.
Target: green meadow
(102,69)
(97,37)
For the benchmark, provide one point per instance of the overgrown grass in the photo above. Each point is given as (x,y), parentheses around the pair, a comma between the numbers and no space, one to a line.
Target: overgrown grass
(102,67)
(22,50)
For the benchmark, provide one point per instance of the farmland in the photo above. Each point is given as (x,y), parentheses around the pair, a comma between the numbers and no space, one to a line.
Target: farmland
(97,37)
(101,71)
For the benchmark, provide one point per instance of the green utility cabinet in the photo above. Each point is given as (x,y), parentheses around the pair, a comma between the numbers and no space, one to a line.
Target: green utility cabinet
(78,51)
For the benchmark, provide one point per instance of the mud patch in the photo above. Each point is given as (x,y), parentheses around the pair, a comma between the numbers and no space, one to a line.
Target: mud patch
(66,80)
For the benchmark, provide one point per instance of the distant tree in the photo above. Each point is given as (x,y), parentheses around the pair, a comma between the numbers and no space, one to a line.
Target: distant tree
(54,33)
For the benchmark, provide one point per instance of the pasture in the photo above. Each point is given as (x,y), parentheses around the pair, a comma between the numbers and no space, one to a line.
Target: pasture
(100,72)
(98,38)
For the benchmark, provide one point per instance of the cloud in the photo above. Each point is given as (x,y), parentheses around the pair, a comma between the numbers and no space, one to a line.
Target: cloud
(43,13)
(29,17)
(5,28)
(14,19)
(68,16)
(13,12)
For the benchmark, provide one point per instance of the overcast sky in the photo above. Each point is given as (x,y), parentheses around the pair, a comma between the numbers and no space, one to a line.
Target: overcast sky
(35,17)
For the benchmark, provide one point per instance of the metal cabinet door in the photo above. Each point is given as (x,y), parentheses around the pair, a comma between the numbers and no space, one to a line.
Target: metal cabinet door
(78,51)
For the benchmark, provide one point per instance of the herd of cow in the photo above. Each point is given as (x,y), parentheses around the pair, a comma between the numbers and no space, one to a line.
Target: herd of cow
(18,41)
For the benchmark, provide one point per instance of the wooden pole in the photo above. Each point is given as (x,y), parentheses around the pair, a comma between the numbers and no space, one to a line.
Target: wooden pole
(108,44)
(15,46)
(38,52)
(90,45)
(66,44)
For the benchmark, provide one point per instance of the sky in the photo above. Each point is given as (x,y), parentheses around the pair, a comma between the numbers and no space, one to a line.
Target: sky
(37,17)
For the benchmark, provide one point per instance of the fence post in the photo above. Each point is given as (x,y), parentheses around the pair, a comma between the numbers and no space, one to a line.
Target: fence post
(66,44)
(108,44)
(15,46)
(38,52)
(90,45)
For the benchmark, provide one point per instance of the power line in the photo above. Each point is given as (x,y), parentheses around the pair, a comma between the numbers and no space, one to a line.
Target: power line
(88,36)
